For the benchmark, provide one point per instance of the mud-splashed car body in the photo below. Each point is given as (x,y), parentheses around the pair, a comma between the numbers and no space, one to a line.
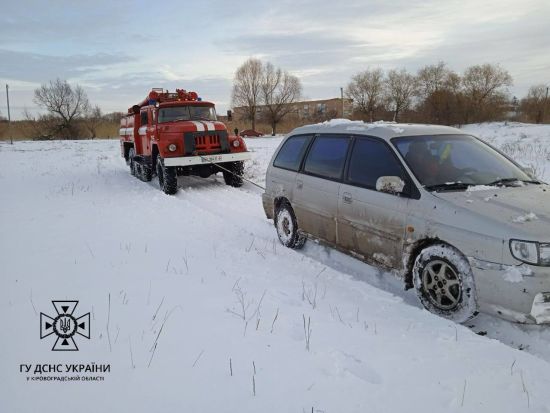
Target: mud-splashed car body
(459,221)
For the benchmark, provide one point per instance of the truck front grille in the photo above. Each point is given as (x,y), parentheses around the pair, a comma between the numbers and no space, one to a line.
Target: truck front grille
(206,142)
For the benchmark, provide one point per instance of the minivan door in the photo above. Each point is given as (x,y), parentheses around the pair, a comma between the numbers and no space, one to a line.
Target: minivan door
(315,195)
(281,178)
(372,223)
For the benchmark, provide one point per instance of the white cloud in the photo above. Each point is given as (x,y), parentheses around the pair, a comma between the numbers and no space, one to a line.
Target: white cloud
(118,46)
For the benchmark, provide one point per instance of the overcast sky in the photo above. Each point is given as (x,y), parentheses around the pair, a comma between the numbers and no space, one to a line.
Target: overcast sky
(118,50)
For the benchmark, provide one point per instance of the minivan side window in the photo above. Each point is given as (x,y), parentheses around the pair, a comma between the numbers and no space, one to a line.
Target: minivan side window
(291,154)
(370,159)
(327,156)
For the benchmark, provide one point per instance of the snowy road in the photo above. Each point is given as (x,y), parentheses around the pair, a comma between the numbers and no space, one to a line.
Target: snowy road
(197,307)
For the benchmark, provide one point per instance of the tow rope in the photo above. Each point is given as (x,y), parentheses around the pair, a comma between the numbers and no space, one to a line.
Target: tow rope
(231,172)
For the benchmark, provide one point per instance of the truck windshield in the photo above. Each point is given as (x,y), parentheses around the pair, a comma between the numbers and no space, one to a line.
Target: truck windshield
(456,162)
(177,113)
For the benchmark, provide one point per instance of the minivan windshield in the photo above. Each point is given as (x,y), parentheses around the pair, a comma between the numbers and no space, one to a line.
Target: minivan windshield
(176,113)
(456,162)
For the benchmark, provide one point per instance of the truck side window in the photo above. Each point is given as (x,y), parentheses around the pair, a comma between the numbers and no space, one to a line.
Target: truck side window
(327,156)
(143,121)
(291,154)
(371,159)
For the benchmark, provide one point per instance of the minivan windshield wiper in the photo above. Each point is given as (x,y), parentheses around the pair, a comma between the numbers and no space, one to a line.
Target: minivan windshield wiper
(506,181)
(449,186)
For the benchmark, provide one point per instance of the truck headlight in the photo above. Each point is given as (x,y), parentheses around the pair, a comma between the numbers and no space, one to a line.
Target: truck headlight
(531,252)
(172,147)
(236,143)
(544,254)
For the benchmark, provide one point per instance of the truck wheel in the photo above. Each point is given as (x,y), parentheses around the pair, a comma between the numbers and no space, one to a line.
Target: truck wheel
(287,227)
(168,180)
(131,161)
(444,283)
(146,173)
(235,177)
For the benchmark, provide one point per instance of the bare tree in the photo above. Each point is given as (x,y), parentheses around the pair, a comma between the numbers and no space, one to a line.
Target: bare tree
(432,78)
(367,89)
(439,91)
(92,120)
(39,127)
(537,103)
(65,103)
(280,90)
(400,88)
(247,88)
(485,91)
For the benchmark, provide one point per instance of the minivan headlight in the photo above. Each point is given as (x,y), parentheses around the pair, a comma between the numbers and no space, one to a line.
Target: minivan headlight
(531,252)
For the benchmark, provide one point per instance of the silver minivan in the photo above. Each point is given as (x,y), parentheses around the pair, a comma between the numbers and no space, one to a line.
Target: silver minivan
(460,222)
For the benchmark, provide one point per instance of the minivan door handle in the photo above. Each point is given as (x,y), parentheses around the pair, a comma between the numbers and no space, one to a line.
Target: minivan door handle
(346,196)
(299,184)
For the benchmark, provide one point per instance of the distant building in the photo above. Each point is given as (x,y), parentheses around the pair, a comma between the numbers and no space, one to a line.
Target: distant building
(307,110)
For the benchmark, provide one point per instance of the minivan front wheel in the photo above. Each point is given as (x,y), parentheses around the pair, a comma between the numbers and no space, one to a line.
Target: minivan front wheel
(287,227)
(444,283)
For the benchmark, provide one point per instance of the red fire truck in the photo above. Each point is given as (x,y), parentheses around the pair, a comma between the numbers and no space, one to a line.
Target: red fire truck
(173,134)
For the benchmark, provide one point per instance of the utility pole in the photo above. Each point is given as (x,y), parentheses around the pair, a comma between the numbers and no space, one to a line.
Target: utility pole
(342,97)
(9,115)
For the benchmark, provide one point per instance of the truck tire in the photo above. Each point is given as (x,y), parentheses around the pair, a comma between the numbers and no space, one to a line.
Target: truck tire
(146,173)
(235,177)
(444,283)
(287,227)
(168,180)
(131,161)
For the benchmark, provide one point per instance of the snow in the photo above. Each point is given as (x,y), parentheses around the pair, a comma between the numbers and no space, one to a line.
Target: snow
(178,271)
(358,125)
(528,144)
(521,219)
(475,188)
(513,274)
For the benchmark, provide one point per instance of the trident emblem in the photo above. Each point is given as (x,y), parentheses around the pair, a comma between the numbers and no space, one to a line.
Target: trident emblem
(65,325)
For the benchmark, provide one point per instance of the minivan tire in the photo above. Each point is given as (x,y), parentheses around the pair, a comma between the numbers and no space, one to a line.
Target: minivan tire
(444,283)
(287,227)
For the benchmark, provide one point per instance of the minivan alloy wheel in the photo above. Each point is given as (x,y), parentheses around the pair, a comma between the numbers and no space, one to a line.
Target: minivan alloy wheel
(287,227)
(284,226)
(442,284)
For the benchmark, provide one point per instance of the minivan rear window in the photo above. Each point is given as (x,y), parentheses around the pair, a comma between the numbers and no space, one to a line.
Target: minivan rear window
(327,156)
(291,154)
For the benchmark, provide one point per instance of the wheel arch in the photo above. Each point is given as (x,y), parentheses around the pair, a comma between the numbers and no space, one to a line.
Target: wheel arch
(278,201)
(412,252)
(154,154)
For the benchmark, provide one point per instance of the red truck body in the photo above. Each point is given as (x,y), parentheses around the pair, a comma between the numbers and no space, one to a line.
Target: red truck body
(173,134)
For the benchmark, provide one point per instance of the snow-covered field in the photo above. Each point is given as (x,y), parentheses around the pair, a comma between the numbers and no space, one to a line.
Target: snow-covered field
(197,307)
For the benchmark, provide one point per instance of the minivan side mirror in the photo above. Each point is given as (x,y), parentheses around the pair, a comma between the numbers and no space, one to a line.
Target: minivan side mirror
(390,184)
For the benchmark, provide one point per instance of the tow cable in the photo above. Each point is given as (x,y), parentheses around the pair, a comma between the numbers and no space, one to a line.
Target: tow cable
(231,172)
